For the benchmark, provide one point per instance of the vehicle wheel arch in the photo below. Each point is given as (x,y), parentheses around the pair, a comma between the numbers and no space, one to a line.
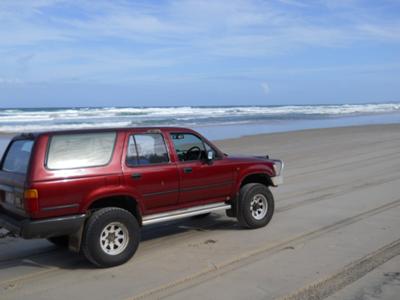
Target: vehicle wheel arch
(262,177)
(255,177)
(123,201)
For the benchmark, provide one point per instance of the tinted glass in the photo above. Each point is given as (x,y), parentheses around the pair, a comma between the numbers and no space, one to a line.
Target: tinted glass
(144,149)
(18,156)
(72,151)
(188,147)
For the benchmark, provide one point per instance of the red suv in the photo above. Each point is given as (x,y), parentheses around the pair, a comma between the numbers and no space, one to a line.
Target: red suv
(94,189)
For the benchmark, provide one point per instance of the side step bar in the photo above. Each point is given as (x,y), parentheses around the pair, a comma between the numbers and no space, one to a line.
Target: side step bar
(183,213)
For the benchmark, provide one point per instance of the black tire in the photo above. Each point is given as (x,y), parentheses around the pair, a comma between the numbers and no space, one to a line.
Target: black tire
(94,244)
(202,216)
(248,193)
(60,241)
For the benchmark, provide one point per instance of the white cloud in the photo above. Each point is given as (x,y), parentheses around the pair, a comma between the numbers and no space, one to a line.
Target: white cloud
(381,32)
(188,21)
(99,37)
(10,81)
(265,87)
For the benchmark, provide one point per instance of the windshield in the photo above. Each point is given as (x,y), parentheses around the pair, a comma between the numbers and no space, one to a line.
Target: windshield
(17,157)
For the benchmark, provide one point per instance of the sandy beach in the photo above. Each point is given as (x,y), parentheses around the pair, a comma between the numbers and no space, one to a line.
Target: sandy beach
(335,234)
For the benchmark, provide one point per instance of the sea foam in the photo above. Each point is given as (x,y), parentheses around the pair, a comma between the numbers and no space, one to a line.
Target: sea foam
(38,119)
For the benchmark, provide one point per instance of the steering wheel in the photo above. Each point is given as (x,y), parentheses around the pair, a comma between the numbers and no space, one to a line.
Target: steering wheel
(189,153)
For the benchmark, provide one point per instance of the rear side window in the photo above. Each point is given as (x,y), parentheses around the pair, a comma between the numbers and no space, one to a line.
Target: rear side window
(18,155)
(146,149)
(83,150)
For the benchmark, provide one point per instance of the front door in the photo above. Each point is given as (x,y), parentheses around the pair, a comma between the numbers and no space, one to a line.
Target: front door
(148,170)
(201,181)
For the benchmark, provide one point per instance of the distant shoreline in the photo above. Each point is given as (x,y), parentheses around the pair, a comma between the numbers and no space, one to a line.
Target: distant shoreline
(200,106)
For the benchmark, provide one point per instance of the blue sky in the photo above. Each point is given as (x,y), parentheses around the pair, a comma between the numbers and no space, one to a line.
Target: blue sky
(133,53)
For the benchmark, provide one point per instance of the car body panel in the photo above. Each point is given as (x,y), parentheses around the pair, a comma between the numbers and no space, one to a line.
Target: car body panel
(159,188)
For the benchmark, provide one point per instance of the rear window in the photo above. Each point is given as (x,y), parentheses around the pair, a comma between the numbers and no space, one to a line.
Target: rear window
(17,157)
(71,151)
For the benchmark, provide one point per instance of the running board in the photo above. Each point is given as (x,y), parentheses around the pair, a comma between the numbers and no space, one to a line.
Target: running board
(183,213)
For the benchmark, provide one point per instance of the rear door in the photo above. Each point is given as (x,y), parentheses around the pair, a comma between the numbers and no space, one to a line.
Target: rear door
(201,181)
(148,169)
(13,171)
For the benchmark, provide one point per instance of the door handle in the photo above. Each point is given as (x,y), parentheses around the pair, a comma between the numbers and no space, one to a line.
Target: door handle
(187,170)
(136,175)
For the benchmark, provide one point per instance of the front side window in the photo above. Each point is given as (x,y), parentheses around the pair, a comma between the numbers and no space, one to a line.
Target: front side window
(188,147)
(146,149)
(18,155)
(70,151)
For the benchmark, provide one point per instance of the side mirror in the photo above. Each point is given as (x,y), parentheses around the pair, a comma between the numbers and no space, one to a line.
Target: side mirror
(210,155)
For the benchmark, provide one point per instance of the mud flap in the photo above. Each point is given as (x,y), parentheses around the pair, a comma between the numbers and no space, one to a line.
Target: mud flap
(232,213)
(75,240)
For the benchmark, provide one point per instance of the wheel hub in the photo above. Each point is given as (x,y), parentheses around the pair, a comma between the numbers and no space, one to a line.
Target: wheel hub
(111,237)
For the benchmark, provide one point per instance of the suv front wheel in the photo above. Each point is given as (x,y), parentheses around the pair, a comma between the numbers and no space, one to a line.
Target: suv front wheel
(256,205)
(111,237)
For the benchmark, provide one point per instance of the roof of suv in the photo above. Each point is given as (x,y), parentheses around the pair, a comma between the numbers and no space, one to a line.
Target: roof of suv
(94,130)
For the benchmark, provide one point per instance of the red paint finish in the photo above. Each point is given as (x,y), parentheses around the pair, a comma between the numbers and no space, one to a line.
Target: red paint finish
(155,188)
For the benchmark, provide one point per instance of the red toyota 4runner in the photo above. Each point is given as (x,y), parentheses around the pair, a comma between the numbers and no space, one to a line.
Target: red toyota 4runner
(94,189)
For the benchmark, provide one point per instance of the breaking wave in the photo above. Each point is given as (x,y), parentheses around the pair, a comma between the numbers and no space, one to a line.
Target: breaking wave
(38,119)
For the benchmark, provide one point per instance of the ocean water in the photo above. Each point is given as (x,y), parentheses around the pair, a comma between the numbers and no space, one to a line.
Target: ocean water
(217,122)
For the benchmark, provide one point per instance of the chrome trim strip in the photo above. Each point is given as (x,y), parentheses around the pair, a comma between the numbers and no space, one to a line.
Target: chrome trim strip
(160,193)
(60,207)
(208,186)
(191,189)
(183,213)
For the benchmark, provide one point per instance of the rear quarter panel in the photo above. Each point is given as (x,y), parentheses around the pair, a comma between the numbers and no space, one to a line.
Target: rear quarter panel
(63,192)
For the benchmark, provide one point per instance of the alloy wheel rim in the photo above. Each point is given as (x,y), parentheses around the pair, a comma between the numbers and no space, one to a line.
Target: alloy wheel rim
(114,238)
(259,206)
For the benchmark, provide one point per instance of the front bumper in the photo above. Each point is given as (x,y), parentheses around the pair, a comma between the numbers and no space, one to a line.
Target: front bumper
(278,166)
(277,180)
(45,228)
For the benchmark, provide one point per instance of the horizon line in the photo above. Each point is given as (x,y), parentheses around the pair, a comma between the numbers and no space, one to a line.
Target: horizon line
(202,106)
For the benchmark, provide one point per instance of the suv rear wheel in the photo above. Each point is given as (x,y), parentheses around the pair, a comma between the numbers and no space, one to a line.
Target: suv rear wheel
(111,237)
(256,205)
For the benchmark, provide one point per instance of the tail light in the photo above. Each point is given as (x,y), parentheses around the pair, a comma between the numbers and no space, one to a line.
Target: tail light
(31,198)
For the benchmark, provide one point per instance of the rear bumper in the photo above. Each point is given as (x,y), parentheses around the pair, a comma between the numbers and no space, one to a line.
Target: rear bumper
(45,228)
